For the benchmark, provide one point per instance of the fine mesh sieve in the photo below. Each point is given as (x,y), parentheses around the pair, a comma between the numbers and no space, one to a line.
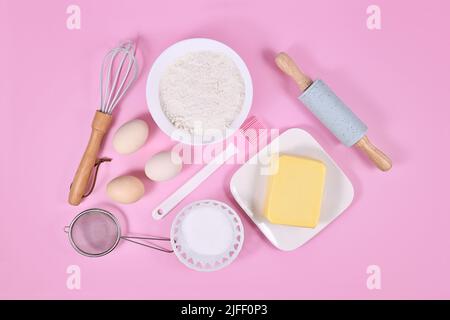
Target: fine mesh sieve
(96,232)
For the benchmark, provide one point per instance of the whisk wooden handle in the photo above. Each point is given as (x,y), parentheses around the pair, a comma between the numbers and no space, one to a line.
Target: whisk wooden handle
(100,125)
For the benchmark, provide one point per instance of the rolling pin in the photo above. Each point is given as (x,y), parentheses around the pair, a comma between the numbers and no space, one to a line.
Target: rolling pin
(332,112)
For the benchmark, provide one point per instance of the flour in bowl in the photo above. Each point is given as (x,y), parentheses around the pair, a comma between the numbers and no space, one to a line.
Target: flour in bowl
(202,89)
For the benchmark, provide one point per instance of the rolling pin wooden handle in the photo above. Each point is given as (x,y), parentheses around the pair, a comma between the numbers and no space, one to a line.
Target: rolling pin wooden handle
(289,67)
(100,125)
(381,160)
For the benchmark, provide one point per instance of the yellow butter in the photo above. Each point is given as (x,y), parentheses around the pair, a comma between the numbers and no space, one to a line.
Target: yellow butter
(295,190)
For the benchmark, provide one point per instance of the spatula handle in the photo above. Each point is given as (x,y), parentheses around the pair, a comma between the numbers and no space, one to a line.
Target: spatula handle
(289,67)
(175,198)
(100,125)
(381,160)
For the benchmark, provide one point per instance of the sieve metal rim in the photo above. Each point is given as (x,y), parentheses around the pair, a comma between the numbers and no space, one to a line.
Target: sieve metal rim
(68,230)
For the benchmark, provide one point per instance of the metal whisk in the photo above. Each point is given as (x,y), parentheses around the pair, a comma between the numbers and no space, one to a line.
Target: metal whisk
(119,71)
(115,83)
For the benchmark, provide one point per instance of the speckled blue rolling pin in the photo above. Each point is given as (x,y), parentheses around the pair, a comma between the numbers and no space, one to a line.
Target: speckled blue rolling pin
(332,112)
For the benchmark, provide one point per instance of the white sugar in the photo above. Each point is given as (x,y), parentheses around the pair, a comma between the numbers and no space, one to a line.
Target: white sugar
(207,231)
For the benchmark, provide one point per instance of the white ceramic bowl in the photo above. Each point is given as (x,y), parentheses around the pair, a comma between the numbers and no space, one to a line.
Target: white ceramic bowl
(169,56)
(207,231)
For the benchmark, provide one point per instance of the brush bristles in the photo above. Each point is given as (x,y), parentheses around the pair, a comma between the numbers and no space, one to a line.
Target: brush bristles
(253,130)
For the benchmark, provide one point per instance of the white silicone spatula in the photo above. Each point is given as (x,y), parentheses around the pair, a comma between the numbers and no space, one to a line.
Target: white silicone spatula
(172,201)
(175,198)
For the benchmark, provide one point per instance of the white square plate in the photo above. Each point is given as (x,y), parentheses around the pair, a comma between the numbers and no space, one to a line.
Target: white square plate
(248,186)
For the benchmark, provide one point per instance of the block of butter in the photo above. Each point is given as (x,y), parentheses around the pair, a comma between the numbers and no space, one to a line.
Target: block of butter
(295,189)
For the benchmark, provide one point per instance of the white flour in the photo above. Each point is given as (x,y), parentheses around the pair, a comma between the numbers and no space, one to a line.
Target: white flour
(203,89)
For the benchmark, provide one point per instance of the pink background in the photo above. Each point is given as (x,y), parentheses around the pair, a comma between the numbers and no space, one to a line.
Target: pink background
(396,79)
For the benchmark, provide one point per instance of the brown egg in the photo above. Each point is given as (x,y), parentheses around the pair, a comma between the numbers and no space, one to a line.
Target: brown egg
(125,189)
(130,137)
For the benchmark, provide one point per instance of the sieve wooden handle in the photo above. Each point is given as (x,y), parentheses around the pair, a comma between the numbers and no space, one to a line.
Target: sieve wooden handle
(381,160)
(100,125)
(289,67)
